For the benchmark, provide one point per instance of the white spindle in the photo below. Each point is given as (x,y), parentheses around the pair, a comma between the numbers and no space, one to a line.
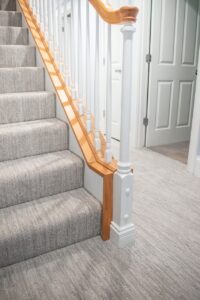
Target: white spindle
(88,70)
(96,100)
(66,46)
(50,25)
(72,53)
(44,16)
(54,19)
(108,152)
(41,15)
(33,7)
(46,3)
(60,41)
(36,8)
(80,61)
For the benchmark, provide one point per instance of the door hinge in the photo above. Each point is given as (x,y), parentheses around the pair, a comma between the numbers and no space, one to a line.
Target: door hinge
(148,58)
(196,72)
(104,113)
(146,121)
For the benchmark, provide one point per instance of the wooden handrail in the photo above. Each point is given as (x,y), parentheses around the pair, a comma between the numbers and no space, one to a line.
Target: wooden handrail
(115,16)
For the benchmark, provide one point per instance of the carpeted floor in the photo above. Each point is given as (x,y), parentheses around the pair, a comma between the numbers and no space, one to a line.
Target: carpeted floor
(164,263)
(177,151)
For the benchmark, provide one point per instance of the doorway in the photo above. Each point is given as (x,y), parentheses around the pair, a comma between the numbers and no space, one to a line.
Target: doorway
(172,61)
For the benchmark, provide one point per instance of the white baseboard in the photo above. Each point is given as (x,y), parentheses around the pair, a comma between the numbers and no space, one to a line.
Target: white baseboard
(197,167)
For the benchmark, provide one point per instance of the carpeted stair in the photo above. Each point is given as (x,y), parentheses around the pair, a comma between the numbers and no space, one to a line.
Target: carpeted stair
(43,204)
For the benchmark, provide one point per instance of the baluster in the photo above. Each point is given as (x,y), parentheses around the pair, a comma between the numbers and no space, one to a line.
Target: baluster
(108,152)
(38,14)
(88,70)
(122,228)
(96,99)
(41,15)
(36,9)
(72,52)
(80,61)
(33,7)
(46,19)
(44,16)
(60,42)
(66,44)
(50,25)
(54,27)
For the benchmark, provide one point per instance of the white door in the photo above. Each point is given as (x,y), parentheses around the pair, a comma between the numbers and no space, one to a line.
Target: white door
(174,49)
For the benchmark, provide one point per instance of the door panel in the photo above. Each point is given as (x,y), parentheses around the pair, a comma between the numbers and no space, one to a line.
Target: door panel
(174,45)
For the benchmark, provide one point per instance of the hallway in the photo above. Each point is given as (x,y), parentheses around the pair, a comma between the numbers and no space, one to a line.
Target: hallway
(163,264)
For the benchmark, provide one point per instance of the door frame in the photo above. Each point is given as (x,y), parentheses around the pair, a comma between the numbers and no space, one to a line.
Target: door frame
(140,84)
(194,150)
(140,97)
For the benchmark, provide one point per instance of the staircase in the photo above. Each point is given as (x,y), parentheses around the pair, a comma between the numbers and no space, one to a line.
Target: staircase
(43,204)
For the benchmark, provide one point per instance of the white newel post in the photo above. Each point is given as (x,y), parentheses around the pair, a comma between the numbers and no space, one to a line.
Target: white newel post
(122,228)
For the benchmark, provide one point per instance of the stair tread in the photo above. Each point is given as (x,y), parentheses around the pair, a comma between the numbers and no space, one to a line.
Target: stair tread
(31,138)
(17,46)
(38,176)
(46,224)
(35,93)
(29,125)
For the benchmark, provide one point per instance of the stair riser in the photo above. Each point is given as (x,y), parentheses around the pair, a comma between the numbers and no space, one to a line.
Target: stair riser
(21,80)
(26,107)
(8,5)
(16,142)
(43,178)
(13,36)
(67,221)
(12,56)
(10,19)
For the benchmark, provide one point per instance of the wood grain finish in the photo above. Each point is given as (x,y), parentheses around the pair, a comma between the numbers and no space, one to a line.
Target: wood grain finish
(122,15)
(77,124)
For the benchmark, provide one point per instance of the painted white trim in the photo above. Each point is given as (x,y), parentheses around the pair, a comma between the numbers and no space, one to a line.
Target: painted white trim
(122,236)
(197,167)
(140,73)
(194,151)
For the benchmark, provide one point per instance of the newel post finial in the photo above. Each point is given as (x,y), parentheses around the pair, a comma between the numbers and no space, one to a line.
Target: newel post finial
(122,228)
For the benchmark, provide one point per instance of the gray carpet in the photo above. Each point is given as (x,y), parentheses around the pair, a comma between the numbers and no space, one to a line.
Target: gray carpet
(20,107)
(13,36)
(7,5)
(17,56)
(164,263)
(43,205)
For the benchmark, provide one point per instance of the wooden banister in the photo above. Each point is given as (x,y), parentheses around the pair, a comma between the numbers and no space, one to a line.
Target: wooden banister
(115,16)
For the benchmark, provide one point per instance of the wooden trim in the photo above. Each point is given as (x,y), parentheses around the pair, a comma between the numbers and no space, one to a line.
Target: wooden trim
(122,15)
(107,206)
(64,95)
